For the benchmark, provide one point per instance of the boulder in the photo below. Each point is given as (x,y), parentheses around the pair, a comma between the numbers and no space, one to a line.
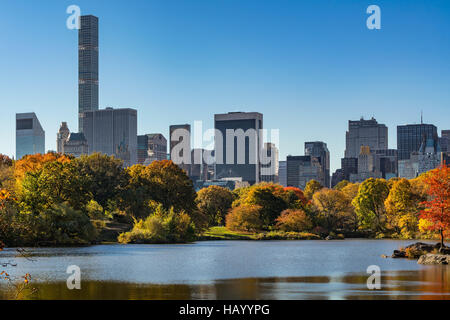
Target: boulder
(434,259)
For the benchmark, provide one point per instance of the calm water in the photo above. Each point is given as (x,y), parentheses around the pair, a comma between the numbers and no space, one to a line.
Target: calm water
(230,270)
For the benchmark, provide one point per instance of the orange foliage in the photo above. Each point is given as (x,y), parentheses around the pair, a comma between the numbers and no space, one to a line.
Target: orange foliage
(32,163)
(437,208)
(294,220)
(4,197)
(299,193)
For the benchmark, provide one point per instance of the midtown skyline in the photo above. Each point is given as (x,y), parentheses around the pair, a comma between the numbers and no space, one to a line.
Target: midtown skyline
(157,82)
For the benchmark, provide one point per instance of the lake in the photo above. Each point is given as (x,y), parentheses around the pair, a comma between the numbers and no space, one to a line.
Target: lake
(229,270)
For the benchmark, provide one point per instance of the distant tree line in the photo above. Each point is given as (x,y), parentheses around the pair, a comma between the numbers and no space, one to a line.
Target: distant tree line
(54,199)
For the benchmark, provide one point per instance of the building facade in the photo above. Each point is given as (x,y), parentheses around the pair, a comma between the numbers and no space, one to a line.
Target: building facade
(365,133)
(61,137)
(282,173)
(270,170)
(87,67)
(319,150)
(30,137)
(238,146)
(411,136)
(75,145)
(151,147)
(112,132)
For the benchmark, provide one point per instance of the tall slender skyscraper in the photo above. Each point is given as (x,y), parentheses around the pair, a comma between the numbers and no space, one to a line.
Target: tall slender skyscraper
(87,67)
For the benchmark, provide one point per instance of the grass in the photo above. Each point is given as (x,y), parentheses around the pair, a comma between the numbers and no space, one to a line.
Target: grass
(222,233)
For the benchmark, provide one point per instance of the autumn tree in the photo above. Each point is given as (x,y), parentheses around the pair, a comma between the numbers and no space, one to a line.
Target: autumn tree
(402,207)
(369,204)
(437,208)
(312,187)
(214,202)
(270,201)
(334,210)
(341,185)
(245,218)
(295,220)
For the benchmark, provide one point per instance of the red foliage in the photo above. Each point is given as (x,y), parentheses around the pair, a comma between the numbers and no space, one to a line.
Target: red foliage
(437,208)
(299,193)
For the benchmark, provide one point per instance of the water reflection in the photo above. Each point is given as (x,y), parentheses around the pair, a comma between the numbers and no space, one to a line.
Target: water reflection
(430,283)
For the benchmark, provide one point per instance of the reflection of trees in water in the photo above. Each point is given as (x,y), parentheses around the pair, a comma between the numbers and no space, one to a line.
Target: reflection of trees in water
(427,283)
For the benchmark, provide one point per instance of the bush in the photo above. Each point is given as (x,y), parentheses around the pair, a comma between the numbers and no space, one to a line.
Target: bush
(294,220)
(244,218)
(163,226)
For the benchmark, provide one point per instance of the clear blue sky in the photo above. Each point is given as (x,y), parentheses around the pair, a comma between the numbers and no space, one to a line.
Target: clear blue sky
(308,66)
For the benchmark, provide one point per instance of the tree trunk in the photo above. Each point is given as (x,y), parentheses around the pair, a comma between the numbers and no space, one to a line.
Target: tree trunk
(442,240)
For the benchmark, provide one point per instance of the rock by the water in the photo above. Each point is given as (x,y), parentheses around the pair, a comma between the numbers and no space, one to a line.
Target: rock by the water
(434,259)
(399,254)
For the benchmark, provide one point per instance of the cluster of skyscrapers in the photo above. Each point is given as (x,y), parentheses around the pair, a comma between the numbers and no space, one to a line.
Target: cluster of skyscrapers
(239,149)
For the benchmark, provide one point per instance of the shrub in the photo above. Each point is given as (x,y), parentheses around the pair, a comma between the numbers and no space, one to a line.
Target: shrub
(281,235)
(244,218)
(294,220)
(163,226)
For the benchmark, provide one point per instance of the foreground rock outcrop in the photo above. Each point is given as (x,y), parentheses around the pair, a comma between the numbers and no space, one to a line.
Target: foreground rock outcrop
(416,250)
(434,259)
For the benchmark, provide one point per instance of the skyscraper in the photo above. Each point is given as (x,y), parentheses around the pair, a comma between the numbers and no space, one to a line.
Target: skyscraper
(319,150)
(237,150)
(410,137)
(270,170)
(365,133)
(87,66)
(151,147)
(112,132)
(30,137)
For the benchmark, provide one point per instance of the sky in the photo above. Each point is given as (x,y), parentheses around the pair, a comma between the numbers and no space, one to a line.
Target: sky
(308,65)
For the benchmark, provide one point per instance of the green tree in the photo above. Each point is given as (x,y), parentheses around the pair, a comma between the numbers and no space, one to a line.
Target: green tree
(271,203)
(369,204)
(53,184)
(106,179)
(214,202)
(312,187)
(161,182)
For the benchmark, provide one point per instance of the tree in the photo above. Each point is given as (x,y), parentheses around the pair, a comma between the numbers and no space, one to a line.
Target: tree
(295,220)
(171,186)
(55,183)
(33,163)
(299,198)
(312,187)
(161,182)
(369,204)
(214,202)
(402,206)
(244,218)
(271,203)
(341,185)
(105,177)
(437,208)
(334,209)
